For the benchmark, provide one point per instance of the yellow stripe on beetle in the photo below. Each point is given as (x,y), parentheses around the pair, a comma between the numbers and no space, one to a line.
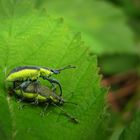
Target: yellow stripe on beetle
(27,95)
(32,74)
(40,98)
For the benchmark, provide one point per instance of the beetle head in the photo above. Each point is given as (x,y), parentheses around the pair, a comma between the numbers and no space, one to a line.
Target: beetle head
(57,99)
(55,71)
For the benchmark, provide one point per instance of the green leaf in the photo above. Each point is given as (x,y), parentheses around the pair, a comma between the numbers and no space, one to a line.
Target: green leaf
(37,39)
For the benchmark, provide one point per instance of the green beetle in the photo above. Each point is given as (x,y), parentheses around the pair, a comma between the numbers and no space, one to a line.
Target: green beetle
(44,96)
(28,74)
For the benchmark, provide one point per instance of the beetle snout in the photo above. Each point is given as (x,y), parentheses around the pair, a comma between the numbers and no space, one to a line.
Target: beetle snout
(55,71)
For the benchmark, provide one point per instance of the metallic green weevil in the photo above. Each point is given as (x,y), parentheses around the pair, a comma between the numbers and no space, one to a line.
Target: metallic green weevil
(44,96)
(29,74)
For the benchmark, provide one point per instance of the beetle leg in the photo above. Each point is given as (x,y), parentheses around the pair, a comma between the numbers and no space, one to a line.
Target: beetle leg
(24,85)
(34,102)
(42,113)
(20,106)
(14,84)
(54,81)
(72,118)
(53,87)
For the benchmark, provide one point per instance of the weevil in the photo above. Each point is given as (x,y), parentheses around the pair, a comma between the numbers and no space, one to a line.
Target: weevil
(44,96)
(29,74)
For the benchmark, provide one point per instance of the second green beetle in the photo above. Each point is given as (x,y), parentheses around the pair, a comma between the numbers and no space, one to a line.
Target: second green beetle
(44,96)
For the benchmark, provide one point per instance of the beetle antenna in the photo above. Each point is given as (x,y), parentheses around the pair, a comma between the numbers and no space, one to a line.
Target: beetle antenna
(70,102)
(67,67)
(57,71)
(67,114)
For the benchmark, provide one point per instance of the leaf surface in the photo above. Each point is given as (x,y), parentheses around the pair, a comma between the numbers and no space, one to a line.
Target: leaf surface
(34,38)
